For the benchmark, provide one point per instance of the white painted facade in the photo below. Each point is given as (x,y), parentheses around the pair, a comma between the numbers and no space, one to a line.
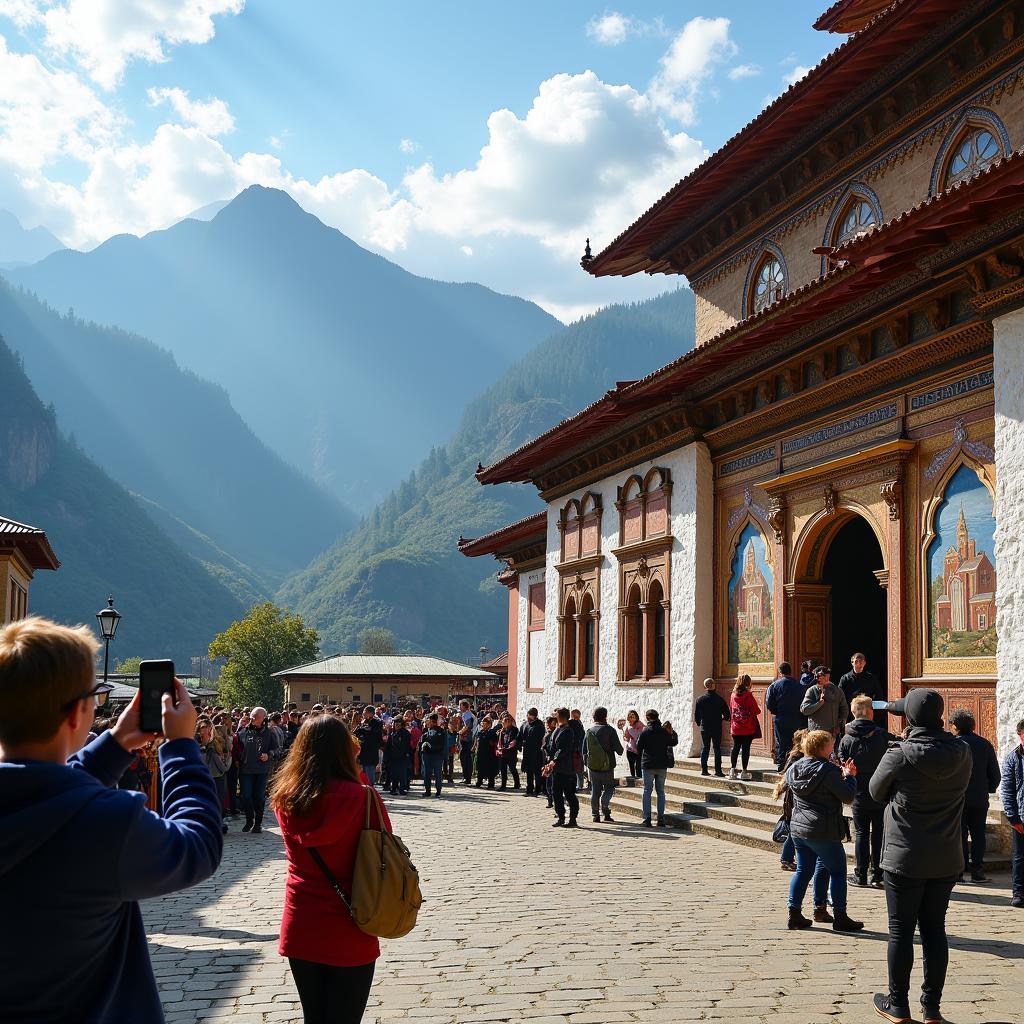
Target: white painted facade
(690,624)
(1008,358)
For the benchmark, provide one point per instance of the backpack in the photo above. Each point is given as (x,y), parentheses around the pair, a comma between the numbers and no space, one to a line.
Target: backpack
(386,893)
(598,757)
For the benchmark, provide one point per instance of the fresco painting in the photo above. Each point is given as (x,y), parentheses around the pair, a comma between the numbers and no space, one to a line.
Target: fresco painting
(751,630)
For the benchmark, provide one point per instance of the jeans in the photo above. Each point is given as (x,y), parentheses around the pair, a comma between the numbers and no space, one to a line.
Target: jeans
(917,903)
(433,770)
(466,762)
(581,782)
(868,821)
(788,852)
(973,824)
(254,795)
(564,787)
(633,757)
(1017,863)
(707,741)
(508,764)
(370,770)
(826,862)
(654,778)
(741,745)
(783,741)
(332,995)
(602,785)
(398,775)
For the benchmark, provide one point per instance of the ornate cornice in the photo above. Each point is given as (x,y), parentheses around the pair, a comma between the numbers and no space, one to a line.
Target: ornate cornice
(643,547)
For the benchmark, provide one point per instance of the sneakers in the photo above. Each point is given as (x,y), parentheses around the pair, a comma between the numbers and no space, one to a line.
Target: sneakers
(558,823)
(932,1016)
(746,776)
(822,916)
(662,823)
(247,827)
(797,919)
(608,817)
(597,819)
(646,823)
(257,828)
(704,771)
(890,1012)
(1017,901)
(858,881)
(719,775)
(733,773)
(572,823)
(787,865)
(979,876)
(878,882)
(844,923)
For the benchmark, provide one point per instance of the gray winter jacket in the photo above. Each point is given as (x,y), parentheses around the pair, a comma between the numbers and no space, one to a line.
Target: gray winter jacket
(826,708)
(819,791)
(923,780)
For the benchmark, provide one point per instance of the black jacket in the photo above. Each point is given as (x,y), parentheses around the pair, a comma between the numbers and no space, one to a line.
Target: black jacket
(370,734)
(398,747)
(486,741)
(579,730)
(654,745)
(254,743)
(531,739)
(985,774)
(867,683)
(924,779)
(508,740)
(434,741)
(819,792)
(865,742)
(710,711)
(563,746)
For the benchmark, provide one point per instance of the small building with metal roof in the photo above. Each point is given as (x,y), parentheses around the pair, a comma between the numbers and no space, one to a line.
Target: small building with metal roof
(23,550)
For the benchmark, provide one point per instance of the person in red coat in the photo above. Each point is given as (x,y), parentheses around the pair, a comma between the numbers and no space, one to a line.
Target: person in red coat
(744,726)
(320,802)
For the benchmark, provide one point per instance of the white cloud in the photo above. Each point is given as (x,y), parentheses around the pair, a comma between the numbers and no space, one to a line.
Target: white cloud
(744,71)
(794,76)
(211,117)
(610,29)
(103,36)
(692,57)
(408,146)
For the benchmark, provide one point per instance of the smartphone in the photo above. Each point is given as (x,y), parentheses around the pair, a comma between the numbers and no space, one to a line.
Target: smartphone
(155,679)
(880,705)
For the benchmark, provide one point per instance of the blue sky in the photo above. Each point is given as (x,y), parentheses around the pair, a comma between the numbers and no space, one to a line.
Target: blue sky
(467,141)
(964,489)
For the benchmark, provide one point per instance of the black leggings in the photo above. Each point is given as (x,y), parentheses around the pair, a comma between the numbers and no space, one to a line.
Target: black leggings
(633,757)
(741,745)
(332,995)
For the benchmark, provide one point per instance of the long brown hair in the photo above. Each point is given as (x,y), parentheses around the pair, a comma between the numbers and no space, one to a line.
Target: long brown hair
(323,750)
(742,684)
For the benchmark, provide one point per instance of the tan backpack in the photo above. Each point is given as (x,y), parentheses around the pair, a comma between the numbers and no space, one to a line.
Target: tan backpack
(385,883)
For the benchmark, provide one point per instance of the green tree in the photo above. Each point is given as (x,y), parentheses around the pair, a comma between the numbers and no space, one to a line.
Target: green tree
(268,640)
(128,665)
(377,641)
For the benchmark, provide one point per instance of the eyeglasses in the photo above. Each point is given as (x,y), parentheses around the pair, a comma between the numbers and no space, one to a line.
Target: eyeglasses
(101,691)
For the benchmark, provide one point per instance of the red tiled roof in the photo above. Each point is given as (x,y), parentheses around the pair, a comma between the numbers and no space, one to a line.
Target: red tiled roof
(30,540)
(507,538)
(845,68)
(497,665)
(880,254)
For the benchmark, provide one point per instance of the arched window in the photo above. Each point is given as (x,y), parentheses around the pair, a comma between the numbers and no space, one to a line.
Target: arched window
(634,635)
(859,216)
(769,284)
(588,637)
(659,622)
(569,640)
(974,143)
(977,151)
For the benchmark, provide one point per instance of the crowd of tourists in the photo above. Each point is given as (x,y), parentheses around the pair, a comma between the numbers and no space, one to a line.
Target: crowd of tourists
(919,802)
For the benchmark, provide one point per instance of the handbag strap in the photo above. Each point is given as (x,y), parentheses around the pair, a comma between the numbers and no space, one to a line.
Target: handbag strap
(373,799)
(335,885)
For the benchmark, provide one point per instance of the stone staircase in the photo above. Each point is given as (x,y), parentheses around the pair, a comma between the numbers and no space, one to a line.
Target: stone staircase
(745,813)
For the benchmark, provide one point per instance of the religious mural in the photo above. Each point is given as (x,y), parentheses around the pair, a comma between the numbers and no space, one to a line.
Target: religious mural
(751,635)
(961,571)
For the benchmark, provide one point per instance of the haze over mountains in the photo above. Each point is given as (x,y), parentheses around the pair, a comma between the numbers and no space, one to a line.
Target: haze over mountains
(20,245)
(346,365)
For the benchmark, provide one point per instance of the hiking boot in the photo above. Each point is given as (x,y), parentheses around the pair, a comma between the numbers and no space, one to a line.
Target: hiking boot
(608,817)
(597,819)
(885,1008)
(646,823)
(572,823)
(704,771)
(822,916)
(558,823)
(797,919)
(979,876)
(932,1015)
(257,828)
(844,923)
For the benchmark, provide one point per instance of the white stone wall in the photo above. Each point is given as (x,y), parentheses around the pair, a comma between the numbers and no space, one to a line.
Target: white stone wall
(690,620)
(1008,344)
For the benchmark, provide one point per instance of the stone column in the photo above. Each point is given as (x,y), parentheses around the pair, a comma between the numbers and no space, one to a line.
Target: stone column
(1008,358)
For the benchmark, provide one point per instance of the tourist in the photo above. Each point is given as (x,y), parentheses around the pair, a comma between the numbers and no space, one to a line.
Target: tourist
(398,757)
(601,744)
(787,855)
(561,768)
(655,748)
(710,713)
(485,747)
(578,731)
(260,749)
(985,779)
(531,740)
(370,734)
(860,681)
(548,749)
(864,743)
(1012,792)
(819,789)
(321,805)
(452,725)
(743,724)
(508,750)
(276,724)
(466,738)
(922,781)
(631,730)
(217,758)
(824,704)
(783,700)
(76,853)
(433,747)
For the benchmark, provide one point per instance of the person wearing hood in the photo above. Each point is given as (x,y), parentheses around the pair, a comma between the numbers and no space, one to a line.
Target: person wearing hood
(76,854)
(922,781)
(322,806)
(819,789)
(864,744)
(824,704)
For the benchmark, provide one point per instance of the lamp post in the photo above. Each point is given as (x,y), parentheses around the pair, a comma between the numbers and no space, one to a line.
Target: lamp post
(476,702)
(108,619)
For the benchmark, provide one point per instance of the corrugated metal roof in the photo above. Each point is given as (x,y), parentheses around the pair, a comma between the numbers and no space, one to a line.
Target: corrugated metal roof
(386,665)
(13,526)
(31,541)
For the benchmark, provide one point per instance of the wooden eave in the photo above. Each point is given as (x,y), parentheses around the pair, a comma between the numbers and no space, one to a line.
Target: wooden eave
(848,16)
(509,542)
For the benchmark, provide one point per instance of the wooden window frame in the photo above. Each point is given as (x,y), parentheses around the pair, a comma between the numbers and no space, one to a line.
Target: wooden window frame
(579,588)
(535,624)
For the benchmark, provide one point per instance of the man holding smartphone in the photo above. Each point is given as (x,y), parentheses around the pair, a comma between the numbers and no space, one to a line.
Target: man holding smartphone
(77,854)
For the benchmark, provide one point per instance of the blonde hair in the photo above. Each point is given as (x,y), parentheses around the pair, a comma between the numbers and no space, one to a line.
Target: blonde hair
(44,668)
(742,684)
(862,702)
(816,742)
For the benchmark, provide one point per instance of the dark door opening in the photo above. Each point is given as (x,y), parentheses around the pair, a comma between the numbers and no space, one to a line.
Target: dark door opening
(859,615)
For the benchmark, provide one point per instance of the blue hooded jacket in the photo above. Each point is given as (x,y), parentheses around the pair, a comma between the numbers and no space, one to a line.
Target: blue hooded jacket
(75,857)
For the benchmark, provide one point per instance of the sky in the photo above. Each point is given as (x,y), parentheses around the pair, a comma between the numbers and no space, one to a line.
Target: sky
(466,141)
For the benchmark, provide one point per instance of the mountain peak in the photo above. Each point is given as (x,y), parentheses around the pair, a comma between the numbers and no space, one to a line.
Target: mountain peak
(261,198)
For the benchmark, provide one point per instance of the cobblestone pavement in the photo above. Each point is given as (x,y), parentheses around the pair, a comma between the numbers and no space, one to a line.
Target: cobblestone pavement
(607,924)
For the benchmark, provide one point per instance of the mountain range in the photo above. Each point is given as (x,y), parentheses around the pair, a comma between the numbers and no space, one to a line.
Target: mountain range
(346,365)
(20,245)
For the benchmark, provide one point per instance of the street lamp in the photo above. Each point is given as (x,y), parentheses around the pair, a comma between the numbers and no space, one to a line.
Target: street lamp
(476,702)
(108,620)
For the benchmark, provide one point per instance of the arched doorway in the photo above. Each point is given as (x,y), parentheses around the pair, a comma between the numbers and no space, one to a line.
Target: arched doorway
(857,600)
